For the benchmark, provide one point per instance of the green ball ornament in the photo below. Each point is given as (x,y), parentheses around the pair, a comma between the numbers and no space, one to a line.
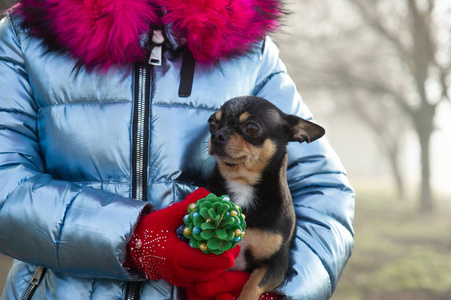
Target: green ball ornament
(214,224)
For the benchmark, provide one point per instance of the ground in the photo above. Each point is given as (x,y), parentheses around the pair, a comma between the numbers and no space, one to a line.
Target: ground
(399,254)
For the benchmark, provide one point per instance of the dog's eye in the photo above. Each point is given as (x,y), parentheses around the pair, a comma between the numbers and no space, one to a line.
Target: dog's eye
(251,128)
(212,125)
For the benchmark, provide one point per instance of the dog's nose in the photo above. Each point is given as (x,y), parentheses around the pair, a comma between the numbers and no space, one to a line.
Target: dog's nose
(220,137)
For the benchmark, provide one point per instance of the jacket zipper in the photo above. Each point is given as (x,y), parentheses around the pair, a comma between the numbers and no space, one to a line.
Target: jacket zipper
(34,283)
(133,290)
(139,158)
(141,133)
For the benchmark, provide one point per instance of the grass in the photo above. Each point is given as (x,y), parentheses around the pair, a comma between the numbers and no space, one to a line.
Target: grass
(399,252)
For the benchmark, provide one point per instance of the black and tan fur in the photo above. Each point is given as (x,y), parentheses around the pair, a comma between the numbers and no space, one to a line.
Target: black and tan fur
(249,138)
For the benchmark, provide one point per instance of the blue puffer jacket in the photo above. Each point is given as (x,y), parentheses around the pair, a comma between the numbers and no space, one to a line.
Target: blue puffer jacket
(77,145)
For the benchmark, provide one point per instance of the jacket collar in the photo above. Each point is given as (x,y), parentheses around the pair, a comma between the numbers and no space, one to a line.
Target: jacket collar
(101,33)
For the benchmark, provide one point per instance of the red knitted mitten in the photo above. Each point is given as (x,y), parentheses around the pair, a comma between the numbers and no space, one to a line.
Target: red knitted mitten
(265,296)
(156,249)
(227,286)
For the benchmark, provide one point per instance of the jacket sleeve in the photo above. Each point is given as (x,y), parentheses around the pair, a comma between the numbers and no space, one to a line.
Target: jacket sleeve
(322,196)
(46,222)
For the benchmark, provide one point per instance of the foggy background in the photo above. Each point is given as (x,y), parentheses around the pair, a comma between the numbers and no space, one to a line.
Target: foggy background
(376,74)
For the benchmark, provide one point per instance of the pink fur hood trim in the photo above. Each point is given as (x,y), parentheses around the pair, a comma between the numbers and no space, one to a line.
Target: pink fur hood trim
(100,33)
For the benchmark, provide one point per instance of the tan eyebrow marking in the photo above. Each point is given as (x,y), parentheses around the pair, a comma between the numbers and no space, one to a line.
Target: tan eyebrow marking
(244,116)
(218,115)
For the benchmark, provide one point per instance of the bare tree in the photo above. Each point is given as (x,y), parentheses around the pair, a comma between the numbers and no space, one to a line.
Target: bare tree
(391,59)
(387,129)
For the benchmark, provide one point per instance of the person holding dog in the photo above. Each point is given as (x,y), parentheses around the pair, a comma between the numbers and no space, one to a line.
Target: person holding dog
(103,129)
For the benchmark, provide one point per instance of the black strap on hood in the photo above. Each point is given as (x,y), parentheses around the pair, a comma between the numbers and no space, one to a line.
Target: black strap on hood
(186,74)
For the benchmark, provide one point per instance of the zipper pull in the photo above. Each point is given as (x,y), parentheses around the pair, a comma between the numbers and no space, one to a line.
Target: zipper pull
(37,276)
(156,55)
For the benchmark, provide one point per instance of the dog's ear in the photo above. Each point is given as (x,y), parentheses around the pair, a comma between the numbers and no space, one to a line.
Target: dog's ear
(303,130)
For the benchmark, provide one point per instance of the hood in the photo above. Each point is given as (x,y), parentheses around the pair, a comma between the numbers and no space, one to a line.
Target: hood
(100,33)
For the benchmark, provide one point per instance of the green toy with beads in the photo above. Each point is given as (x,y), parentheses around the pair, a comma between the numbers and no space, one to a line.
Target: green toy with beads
(214,224)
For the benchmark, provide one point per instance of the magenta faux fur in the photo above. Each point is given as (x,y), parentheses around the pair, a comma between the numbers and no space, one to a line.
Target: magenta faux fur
(100,33)
(221,28)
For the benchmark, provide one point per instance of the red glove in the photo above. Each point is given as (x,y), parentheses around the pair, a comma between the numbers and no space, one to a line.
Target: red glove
(156,249)
(192,295)
(227,286)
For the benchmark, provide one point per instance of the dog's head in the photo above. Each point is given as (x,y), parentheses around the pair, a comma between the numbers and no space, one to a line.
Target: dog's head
(248,133)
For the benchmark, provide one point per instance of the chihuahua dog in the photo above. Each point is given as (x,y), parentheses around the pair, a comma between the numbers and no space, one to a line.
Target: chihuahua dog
(249,137)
